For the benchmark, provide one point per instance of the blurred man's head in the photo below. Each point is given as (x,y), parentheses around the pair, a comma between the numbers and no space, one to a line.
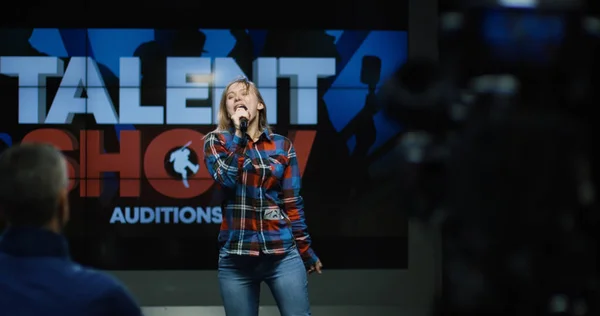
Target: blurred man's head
(34,186)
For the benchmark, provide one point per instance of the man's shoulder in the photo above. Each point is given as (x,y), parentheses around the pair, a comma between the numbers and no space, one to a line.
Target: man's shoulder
(93,277)
(110,293)
(59,270)
(96,290)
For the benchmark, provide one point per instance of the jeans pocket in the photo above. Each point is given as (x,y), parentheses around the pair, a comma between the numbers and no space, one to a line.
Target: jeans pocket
(223,254)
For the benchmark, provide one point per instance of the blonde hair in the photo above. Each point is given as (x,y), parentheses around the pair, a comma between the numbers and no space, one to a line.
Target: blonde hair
(224,122)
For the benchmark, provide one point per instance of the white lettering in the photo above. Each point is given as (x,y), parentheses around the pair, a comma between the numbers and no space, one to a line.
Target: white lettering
(179,90)
(32,73)
(224,71)
(304,73)
(188,78)
(265,77)
(82,73)
(130,103)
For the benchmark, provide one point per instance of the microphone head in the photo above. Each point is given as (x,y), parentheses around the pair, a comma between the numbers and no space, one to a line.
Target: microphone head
(243,124)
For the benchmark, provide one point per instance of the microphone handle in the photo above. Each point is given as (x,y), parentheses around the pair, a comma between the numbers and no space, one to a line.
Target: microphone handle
(244,125)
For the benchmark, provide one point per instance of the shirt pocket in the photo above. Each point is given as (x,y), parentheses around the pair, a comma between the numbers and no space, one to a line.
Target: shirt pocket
(278,163)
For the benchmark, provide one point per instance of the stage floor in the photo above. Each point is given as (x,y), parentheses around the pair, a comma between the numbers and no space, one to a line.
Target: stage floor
(272,311)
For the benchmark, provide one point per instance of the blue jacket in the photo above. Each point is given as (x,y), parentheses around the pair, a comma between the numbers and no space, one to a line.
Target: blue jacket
(37,278)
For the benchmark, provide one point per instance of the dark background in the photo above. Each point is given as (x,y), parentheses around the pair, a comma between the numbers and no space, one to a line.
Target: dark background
(350,230)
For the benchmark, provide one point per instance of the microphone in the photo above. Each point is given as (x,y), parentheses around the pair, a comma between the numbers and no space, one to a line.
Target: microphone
(243,125)
(243,121)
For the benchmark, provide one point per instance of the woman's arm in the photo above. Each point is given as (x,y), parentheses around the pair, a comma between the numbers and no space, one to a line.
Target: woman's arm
(223,159)
(293,205)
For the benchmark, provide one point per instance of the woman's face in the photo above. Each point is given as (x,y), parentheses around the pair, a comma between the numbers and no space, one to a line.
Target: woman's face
(239,95)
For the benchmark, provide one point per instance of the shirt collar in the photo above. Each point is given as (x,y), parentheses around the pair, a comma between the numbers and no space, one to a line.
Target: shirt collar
(265,133)
(33,242)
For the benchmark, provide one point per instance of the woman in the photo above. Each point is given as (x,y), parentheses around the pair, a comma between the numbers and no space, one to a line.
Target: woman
(263,235)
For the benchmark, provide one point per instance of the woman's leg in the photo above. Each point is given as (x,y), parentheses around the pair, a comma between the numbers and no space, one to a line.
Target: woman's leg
(287,279)
(239,284)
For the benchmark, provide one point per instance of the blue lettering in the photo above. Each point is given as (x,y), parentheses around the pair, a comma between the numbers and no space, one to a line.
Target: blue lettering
(166,215)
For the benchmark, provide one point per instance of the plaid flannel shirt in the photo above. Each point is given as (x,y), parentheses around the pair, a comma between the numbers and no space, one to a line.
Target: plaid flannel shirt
(264,211)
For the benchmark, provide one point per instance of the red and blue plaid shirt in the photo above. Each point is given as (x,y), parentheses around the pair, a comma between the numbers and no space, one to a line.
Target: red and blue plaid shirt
(264,211)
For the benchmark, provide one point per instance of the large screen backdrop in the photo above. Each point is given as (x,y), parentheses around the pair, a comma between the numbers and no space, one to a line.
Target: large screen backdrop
(130,108)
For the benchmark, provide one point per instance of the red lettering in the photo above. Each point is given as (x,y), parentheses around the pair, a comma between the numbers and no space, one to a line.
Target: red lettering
(154,164)
(64,141)
(94,161)
(303,142)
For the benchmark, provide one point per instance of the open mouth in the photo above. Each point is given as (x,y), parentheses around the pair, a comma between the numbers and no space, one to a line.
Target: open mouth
(240,106)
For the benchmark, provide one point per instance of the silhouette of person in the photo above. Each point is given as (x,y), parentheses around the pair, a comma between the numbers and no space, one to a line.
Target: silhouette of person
(153,57)
(15,42)
(243,51)
(363,125)
(329,145)
(153,60)
(299,43)
(188,43)
(181,162)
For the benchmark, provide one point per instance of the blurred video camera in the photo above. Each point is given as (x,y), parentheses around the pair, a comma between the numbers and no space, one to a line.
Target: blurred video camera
(497,58)
(499,151)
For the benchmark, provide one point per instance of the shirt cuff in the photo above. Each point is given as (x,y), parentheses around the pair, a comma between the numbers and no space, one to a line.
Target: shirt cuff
(309,257)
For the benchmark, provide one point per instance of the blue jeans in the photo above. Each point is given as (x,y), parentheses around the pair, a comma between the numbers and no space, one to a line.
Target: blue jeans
(240,278)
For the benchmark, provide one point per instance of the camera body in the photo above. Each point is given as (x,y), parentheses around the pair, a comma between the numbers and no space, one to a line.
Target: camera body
(494,62)
(507,157)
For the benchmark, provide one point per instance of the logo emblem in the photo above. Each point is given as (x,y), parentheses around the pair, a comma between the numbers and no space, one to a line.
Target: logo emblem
(180,160)
(272,215)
